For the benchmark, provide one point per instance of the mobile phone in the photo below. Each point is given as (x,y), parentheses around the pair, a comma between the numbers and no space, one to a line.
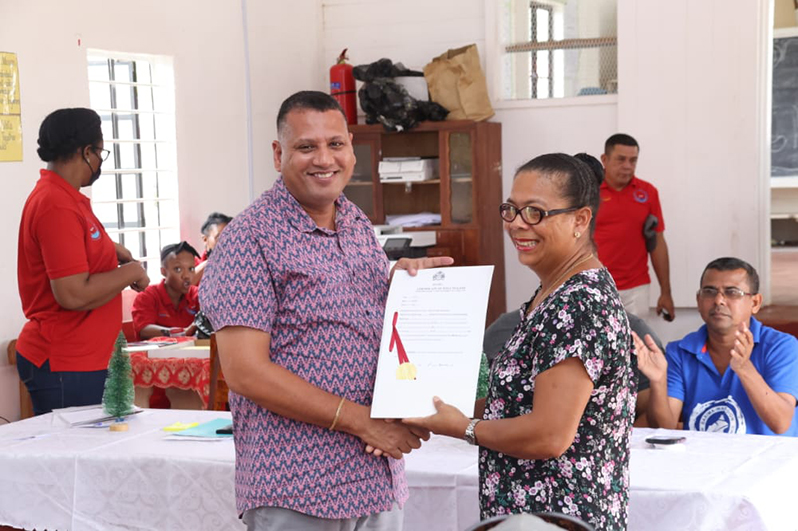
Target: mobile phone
(666,315)
(665,439)
(226,430)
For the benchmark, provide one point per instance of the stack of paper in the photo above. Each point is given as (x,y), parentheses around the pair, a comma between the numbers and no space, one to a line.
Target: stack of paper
(204,432)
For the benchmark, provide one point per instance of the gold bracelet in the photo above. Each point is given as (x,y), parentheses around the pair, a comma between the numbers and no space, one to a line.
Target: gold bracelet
(337,414)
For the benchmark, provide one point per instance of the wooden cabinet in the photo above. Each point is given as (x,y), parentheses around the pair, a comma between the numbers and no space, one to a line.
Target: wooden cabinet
(466,194)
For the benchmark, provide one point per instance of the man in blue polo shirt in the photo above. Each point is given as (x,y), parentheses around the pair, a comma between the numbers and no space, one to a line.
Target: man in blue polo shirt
(733,375)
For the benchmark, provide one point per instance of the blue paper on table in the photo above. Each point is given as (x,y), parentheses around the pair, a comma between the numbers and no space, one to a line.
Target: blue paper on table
(206,429)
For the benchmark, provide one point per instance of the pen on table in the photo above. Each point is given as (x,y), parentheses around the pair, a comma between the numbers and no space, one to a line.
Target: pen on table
(29,437)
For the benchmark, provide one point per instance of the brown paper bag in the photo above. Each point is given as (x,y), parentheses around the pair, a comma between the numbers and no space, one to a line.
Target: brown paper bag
(456,81)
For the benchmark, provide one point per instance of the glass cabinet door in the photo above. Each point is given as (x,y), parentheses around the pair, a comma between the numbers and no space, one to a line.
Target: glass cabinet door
(461,172)
(360,189)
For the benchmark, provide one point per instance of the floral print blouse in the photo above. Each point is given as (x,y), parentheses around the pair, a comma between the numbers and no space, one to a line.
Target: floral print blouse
(583,318)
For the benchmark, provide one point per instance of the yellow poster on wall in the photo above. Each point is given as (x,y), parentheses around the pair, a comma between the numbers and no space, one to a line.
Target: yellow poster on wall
(10,111)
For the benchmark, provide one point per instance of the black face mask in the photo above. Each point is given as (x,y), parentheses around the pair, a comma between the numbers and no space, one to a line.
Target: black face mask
(95,174)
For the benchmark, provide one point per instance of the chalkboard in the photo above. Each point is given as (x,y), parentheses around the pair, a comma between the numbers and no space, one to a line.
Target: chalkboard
(784,137)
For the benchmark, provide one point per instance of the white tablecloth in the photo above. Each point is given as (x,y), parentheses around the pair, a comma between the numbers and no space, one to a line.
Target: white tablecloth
(713,482)
(94,479)
(62,478)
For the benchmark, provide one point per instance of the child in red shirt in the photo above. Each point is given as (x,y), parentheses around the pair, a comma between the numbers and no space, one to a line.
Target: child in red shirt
(169,308)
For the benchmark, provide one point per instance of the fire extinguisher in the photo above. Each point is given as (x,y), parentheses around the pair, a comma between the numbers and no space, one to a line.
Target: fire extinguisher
(342,87)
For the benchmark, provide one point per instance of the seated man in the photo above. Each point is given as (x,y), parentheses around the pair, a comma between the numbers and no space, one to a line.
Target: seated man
(169,308)
(733,375)
(211,230)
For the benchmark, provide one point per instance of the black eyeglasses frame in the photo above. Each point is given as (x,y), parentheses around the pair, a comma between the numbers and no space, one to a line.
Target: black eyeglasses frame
(509,207)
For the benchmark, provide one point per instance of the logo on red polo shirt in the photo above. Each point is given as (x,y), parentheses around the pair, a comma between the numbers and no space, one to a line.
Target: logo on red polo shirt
(94,232)
(641,196)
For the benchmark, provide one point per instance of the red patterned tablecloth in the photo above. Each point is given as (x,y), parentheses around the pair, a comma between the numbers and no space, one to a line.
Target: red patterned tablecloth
(182,373)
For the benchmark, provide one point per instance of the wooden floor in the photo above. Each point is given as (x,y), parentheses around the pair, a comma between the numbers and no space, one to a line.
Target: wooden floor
(784,276)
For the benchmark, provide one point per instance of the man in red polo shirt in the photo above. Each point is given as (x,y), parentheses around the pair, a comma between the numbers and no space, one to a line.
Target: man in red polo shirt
(169,308)
(626,204)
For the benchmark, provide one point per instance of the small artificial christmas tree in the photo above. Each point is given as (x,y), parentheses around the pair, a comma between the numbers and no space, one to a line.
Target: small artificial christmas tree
(118,394)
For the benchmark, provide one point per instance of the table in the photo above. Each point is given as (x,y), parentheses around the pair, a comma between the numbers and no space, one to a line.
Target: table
(185,368)
(715,482)
(93,479)
(89,479)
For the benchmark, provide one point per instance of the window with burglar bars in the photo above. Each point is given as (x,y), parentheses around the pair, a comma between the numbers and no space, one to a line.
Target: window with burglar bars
(136,197)
(558,48)
(542,82)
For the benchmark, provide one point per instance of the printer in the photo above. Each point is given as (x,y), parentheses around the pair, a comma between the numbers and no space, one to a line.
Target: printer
(399,244)
(408,169)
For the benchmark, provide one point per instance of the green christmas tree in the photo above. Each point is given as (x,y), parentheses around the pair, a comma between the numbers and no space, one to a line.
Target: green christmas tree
(119,392)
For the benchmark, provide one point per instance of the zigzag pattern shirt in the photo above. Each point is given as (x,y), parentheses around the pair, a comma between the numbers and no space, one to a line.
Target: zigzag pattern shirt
(321,295)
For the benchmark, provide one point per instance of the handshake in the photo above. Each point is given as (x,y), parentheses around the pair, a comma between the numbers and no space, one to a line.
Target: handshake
(397,437)
(393,437)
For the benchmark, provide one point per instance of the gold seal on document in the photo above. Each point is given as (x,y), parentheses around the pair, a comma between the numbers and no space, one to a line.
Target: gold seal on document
(406,371)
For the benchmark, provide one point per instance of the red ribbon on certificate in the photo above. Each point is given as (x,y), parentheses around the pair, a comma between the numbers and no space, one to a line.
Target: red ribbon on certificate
(396,340)
(406,370)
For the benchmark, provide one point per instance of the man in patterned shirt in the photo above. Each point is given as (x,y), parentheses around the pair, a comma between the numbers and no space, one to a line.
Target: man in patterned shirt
(296,289)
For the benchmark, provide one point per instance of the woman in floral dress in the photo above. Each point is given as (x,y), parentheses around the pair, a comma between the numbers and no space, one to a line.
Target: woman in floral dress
(554,429)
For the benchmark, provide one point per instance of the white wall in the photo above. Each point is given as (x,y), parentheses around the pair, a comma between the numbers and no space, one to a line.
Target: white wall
(284,48)
(693,91)
(412,32)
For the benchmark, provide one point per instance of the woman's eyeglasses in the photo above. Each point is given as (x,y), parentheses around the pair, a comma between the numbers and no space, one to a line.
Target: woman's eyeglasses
(531,215)
(100,152)
(731,293)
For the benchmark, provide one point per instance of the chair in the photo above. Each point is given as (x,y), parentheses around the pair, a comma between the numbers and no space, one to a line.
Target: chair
(129,331)
(25,403)
(217,391)
(563,521)
(128,296)
(489,523)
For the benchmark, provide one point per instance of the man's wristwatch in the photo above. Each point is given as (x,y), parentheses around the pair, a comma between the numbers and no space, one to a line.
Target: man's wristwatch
(470,437)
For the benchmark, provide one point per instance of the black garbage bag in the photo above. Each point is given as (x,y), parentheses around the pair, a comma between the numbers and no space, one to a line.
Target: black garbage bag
(383,68)
(387,102)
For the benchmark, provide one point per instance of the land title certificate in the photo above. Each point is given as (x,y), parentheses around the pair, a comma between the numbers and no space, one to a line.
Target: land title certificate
(431,341)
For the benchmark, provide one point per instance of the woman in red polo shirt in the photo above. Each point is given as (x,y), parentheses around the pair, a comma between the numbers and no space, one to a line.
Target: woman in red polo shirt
(68,269)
